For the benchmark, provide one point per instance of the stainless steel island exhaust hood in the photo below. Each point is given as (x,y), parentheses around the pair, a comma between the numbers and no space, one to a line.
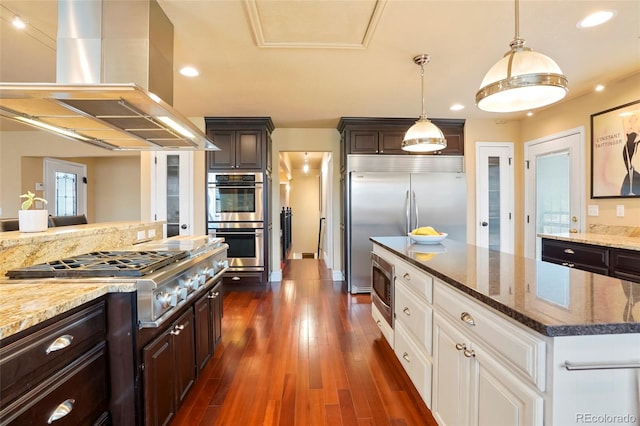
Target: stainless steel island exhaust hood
(100,44)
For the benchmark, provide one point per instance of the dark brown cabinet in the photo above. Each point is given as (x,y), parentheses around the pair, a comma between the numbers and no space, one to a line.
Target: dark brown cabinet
(243,143)
(385,135)
(612,261)
(57,371)
(208,323)
(169,370)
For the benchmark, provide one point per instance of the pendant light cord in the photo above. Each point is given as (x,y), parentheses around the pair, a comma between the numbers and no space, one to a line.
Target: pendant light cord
(422,86)
(517,8)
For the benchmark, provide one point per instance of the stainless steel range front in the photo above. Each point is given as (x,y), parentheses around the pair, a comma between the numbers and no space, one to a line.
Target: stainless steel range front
(168,273)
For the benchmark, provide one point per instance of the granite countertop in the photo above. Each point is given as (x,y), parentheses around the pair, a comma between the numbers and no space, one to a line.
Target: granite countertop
(616,241)
(551,299)
(25,303)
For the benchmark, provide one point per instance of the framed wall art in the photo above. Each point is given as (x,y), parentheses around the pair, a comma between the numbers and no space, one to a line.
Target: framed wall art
(615,152)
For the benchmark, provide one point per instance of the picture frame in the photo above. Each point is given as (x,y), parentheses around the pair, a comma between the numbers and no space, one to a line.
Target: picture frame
(615,152)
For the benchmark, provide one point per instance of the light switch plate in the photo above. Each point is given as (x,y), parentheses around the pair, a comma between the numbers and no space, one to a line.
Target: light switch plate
(620,210)
(151,233)
(593,210)
(141,235)
(39,186)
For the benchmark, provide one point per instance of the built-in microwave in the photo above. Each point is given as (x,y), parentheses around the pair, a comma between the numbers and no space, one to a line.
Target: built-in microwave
(382,277)
(235,197)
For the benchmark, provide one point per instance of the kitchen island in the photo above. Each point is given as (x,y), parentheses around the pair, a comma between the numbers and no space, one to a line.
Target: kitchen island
(503,339)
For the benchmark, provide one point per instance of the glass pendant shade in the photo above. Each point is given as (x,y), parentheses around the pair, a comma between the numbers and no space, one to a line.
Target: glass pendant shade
(424,136)
(521,80)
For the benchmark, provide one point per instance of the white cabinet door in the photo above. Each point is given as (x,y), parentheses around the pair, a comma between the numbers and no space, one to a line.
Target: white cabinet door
(499,397)
(451,377)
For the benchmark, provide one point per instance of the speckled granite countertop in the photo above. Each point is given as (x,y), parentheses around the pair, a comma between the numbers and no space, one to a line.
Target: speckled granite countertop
(617,241)
(25,303)
(551,299)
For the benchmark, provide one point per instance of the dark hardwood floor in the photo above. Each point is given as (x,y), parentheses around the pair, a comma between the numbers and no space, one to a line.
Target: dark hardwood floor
(302,353)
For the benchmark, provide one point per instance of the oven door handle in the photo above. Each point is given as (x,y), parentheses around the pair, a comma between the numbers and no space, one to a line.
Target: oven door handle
(238,233)
(235,186)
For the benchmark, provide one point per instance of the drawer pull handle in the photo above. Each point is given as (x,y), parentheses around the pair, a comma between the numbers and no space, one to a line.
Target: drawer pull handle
(406,276)
(176,330)
(570,265)
(61,410)
(469,354)
(213,295)
(466,317)
(461,346)
(407,311)
(406,357)
(599,365)
(60,343)
(379,323)
(569,251)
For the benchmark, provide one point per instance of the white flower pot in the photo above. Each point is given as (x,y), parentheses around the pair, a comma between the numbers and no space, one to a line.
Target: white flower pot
(33,220)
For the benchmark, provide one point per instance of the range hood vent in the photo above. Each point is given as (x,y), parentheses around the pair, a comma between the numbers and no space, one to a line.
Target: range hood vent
(101,42)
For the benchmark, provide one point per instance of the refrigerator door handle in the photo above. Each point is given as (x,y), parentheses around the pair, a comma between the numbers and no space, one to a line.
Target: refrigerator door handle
(406,213)
(415,206)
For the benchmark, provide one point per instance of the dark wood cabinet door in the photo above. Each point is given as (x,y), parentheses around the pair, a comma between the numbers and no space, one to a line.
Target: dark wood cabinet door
(204,331)
(184,353)
(391,142)
(625,264)
(225,158)
(159,381)
(216,314)
(364,142)
(574,255)
(248,149)
(455,142)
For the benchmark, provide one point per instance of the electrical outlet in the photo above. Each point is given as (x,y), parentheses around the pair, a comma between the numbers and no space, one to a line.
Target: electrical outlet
(141,235)
(593,210)
(151,233)
(620,210)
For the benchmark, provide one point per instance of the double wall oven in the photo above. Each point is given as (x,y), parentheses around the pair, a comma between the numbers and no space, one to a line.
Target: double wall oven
(235,212)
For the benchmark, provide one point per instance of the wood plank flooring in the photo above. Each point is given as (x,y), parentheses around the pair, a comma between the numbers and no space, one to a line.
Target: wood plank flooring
(302,353)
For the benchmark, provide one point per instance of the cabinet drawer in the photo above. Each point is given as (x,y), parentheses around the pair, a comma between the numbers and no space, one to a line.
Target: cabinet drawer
(585,257)
(625,264)
(27,361)
(519,347)
(418,281)
(82,385)
(416,315)
(417,366)
(382,324)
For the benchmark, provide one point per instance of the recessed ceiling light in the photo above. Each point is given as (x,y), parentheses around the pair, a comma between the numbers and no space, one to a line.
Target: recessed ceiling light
(456,107)
(18,22)
(599,88)
(530,113)
(596,18)
(189,72)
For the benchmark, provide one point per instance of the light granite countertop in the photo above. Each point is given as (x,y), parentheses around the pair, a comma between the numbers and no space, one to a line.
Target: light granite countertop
(606,240)
(25,303)
(551,299)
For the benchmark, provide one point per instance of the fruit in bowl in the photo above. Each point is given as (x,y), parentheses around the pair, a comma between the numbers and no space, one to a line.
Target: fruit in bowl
(427,235)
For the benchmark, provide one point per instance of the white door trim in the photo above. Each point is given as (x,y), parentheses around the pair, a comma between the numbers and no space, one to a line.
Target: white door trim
(51,166)
(577,184)
(507,196)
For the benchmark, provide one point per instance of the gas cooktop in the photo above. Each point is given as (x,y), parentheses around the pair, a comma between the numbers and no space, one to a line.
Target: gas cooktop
(101,264)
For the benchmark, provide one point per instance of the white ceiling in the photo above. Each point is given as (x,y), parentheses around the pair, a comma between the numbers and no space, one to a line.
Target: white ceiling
(307,63)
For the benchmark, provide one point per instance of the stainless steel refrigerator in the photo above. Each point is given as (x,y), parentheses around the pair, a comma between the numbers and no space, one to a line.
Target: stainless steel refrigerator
(391,195)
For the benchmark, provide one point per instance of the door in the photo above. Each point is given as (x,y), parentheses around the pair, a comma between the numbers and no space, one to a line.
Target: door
(173,180)
(494,196)
(439,200)
(554,187)
(451,377)
(65,187)
(378,207)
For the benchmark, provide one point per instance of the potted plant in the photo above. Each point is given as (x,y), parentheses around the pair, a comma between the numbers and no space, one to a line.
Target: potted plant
(32,220)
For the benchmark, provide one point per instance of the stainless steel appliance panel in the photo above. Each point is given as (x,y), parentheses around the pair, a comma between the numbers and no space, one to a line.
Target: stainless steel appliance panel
(246,244)
(234,197)
(378,208)
(383,276)
(384,200)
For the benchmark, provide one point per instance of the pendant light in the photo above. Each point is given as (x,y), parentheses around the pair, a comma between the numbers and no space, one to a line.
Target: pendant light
(423,136)
(305,166)
(521,80)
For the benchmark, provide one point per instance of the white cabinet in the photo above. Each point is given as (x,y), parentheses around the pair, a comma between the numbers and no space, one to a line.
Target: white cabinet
(382,324)
(413,293)
(477,380)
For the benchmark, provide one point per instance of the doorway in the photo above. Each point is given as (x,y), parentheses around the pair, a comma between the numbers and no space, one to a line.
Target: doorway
(172,191)
(65,187)
(494,195)
(554,187)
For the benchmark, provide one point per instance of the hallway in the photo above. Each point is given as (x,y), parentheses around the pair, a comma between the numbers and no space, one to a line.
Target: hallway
(302,353)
